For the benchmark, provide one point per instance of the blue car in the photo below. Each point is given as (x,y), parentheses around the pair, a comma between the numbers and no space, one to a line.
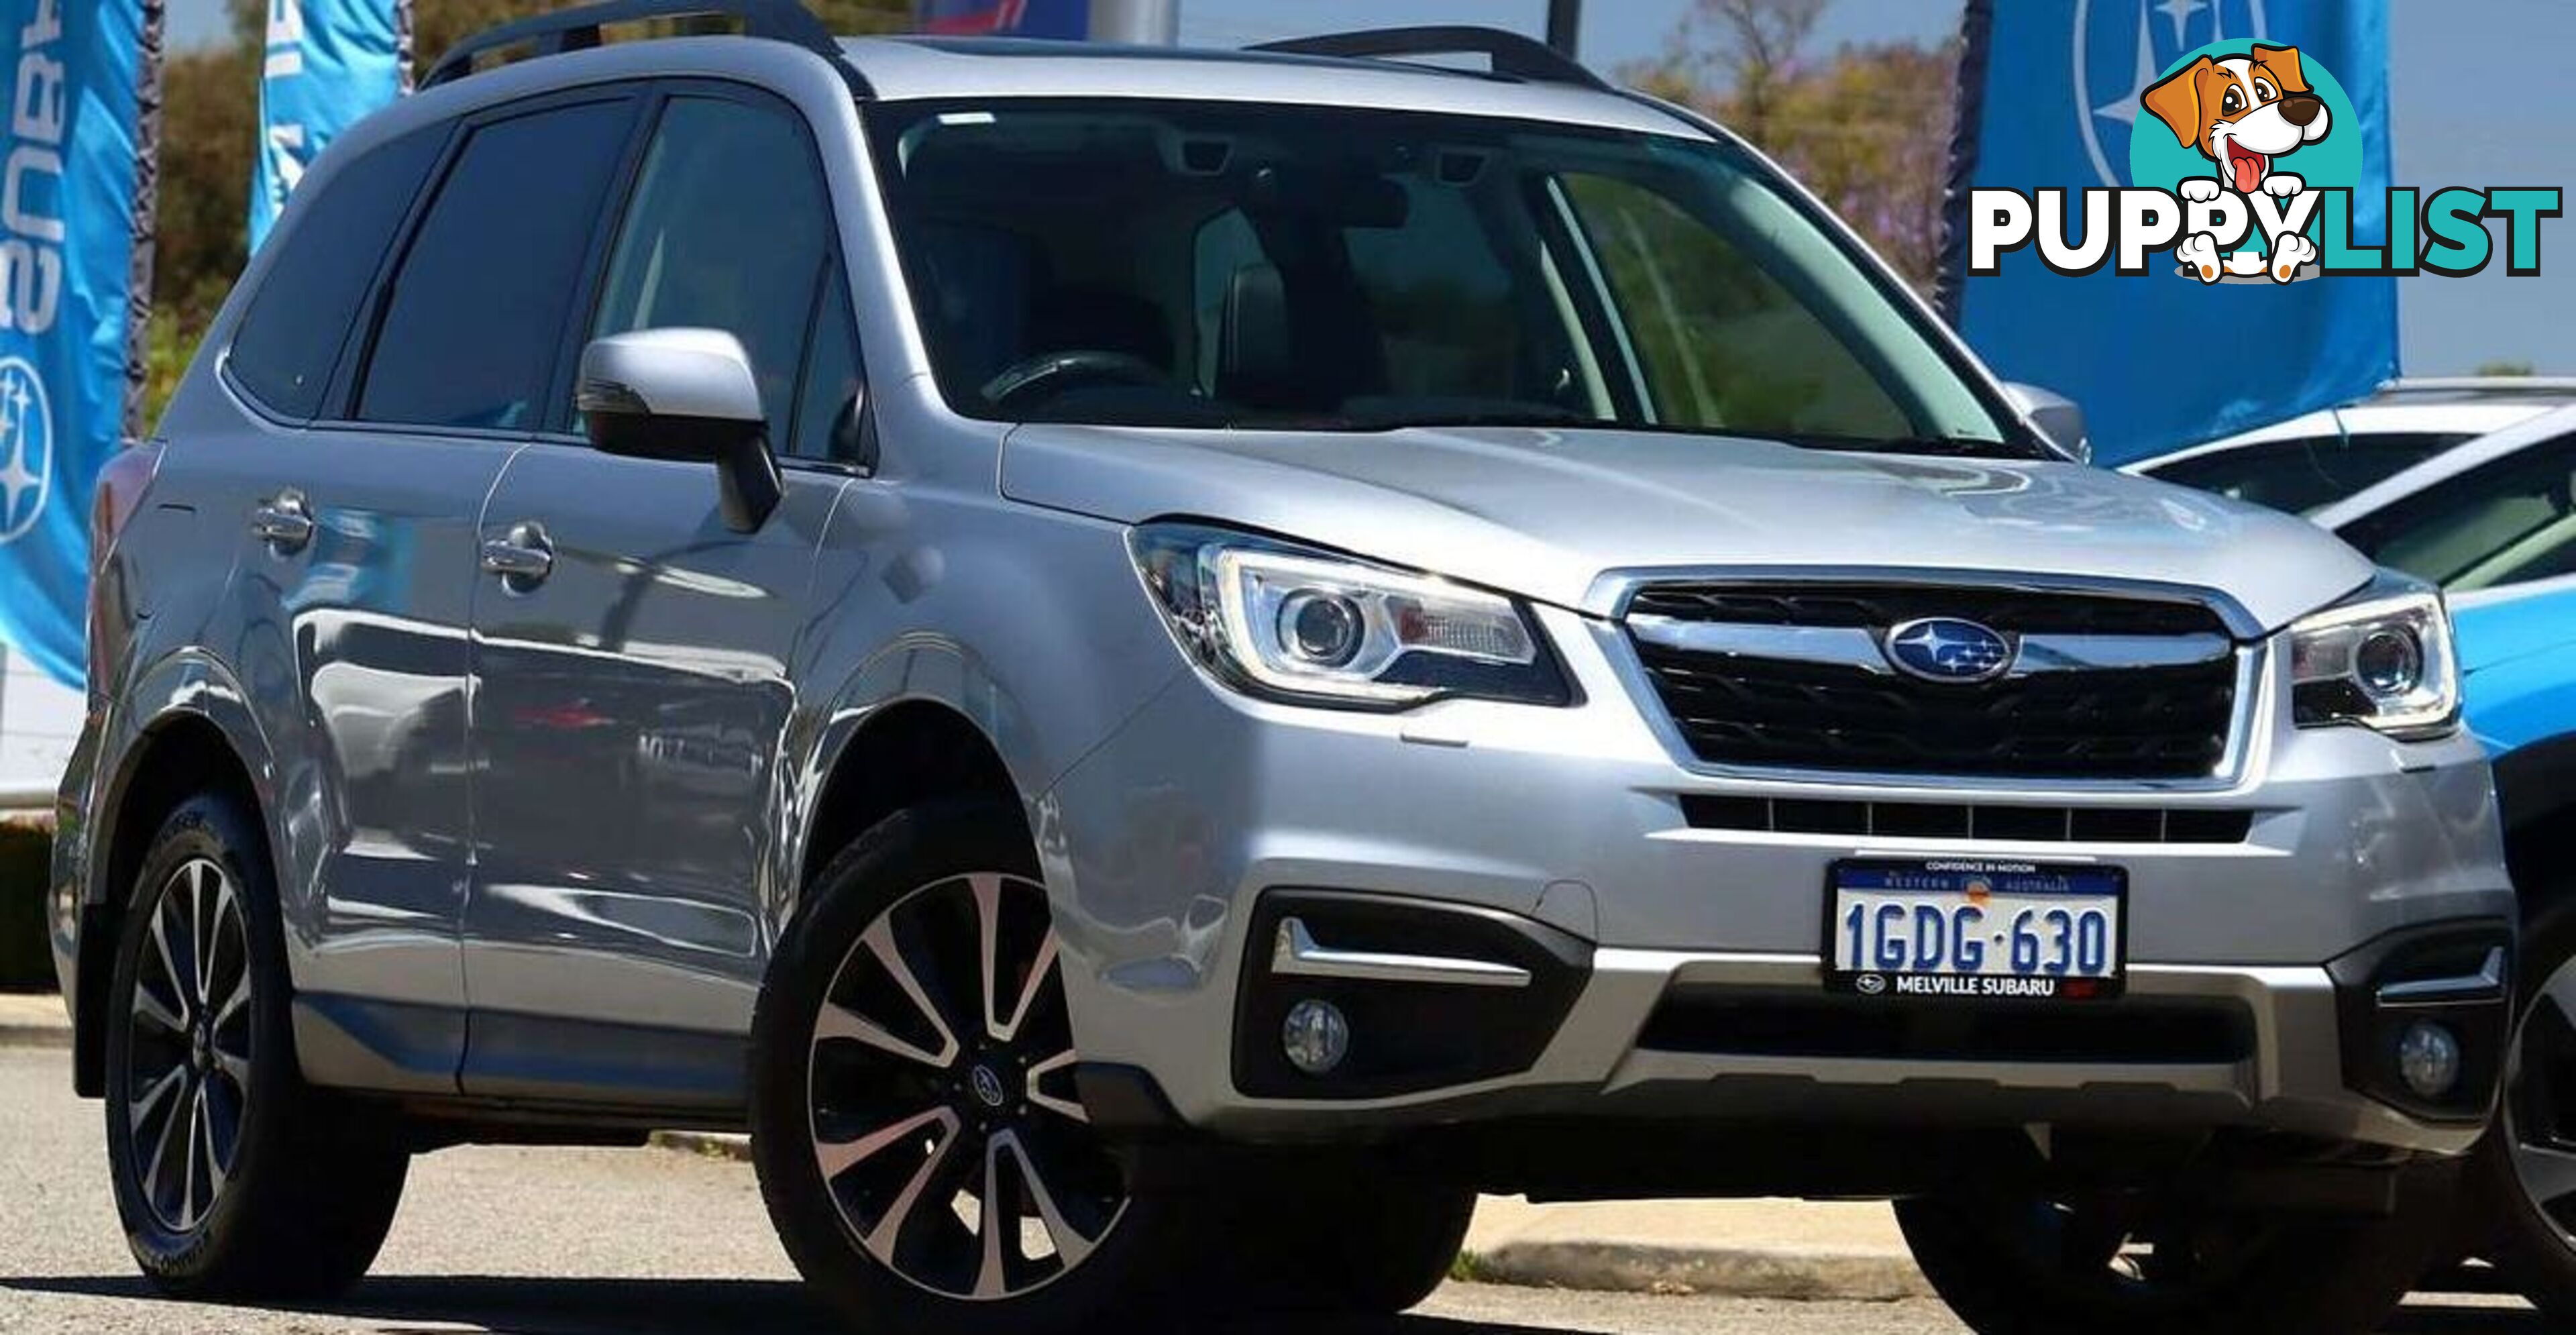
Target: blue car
(2517,650)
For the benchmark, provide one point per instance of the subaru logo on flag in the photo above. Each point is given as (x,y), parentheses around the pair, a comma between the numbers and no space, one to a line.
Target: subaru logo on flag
(26,448)
(2122,47)
(1948,649)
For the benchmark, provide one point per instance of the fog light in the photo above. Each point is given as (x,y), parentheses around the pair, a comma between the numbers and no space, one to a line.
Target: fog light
(1316,1037)
(2428,1059)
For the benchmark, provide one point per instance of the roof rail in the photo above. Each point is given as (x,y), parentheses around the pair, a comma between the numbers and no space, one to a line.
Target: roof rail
(578,29)
(1514,55)
(2501,385)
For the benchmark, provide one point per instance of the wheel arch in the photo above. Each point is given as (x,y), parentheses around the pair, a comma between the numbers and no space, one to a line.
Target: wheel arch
(900,754)
(181,752)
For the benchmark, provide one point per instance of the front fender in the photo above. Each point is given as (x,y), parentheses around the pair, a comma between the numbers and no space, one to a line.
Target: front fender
(1030,624)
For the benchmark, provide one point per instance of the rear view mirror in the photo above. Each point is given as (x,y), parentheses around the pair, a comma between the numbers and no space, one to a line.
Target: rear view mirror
(686,395)
(2058,417)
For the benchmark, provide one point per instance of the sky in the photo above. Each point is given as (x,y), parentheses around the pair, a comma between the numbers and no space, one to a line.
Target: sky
(2481,98)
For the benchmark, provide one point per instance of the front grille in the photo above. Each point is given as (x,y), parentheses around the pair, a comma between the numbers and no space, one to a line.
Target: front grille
(2160,722)
(2132,1032)
(1878,606)
(1961,820)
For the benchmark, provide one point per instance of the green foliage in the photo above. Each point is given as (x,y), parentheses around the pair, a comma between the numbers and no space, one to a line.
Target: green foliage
(2506,370)
(210,129)
(1867,128)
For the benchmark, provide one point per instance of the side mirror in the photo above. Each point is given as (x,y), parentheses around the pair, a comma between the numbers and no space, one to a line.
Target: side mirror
(686,395)
(2058,417)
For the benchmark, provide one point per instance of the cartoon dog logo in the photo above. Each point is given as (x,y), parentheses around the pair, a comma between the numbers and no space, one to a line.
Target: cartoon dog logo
(2243,113)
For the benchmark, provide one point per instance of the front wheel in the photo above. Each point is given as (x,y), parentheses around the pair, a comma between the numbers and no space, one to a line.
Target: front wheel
(2129,1263)
(1360,1240)
(920,1145)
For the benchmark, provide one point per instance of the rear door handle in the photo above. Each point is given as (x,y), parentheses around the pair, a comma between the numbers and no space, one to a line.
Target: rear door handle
(285,522)
(523,557)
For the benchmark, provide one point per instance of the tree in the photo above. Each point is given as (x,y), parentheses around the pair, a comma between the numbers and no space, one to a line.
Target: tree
(1749,47)
(1868,128)
(2505,370)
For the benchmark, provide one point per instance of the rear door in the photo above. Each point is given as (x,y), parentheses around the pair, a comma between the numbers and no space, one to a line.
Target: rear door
(630,704)
(354,557)
(363,528)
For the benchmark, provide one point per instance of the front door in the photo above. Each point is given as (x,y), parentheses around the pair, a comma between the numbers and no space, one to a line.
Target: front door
(631,698)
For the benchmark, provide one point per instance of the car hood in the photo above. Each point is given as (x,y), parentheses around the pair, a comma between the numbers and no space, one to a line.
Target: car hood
(1556,515)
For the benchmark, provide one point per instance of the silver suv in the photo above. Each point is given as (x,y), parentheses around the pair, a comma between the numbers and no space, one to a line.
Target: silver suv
(1154,667)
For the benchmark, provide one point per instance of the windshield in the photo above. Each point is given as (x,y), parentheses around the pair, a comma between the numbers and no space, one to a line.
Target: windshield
(1219,265)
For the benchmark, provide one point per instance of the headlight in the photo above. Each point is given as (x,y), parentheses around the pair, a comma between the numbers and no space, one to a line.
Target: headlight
(2384,660)
(1291,623)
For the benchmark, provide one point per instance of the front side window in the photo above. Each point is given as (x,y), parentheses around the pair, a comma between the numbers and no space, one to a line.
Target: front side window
(479,306)
(2506,522)
(728,230)
(1211,265)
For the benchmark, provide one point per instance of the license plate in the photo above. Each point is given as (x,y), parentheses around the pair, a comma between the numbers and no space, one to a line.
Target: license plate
(1976,928)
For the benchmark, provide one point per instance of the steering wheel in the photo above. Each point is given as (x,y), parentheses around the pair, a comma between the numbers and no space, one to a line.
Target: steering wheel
(1030,374)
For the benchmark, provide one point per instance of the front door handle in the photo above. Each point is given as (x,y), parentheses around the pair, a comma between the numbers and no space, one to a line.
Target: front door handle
(284,522)
(523,557)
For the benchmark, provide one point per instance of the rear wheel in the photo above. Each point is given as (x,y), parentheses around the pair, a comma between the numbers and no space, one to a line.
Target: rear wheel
(2129,1263)
(920,1145)
(233,1179)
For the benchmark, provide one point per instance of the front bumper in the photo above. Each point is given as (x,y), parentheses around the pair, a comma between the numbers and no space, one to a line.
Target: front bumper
(1163,842)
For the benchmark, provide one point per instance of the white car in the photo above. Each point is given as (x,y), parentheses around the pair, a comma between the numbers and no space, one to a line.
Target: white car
(2318,459)
(2497,512)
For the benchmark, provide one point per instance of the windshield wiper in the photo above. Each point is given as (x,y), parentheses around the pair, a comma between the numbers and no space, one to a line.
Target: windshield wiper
(1529,417)
(1940,447)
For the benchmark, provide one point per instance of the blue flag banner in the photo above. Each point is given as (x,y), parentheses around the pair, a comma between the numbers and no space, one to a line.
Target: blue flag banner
(329,64)
(75,264)
(2100,95)
(1066,19)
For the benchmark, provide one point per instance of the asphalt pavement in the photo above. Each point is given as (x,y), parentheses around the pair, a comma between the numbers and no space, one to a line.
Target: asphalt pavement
(648,1242)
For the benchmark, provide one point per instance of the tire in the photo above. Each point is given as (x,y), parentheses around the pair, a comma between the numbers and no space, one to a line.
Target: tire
(2532,1142)
(2000,1262)
(199,1043)
(880,1094)
(1365,1244)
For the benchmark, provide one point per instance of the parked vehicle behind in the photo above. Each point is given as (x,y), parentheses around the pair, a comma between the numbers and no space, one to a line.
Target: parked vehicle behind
(2321,458)
(1162,665)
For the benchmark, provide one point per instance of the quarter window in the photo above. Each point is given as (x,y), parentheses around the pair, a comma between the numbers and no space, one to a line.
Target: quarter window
(827,417)
(479,307)
(290,338)
(728,230)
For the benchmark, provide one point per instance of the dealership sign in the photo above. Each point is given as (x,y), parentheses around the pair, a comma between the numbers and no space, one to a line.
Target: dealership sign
(328,63)
(81,73)
(2130,183)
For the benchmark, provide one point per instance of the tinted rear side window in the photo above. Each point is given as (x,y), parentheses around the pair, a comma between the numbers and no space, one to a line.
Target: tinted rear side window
(290,338)
(2307,474)
(478,309)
